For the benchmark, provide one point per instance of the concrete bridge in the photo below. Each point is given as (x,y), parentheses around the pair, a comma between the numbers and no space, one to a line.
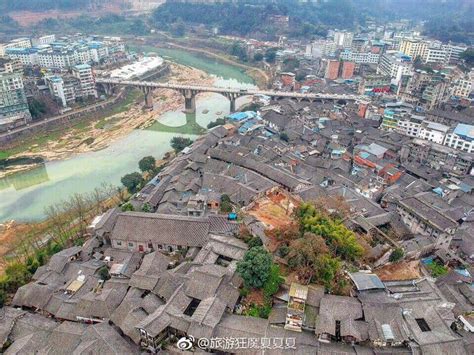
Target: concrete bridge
(190,91)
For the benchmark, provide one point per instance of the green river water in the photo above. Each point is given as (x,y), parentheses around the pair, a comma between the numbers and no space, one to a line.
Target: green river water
(23,196)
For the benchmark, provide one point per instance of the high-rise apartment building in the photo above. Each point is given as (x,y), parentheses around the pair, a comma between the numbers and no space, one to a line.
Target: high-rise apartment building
(13,103)
(84,73)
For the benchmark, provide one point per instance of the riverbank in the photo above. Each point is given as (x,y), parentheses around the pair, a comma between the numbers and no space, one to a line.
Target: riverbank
(260,76)
(99,134)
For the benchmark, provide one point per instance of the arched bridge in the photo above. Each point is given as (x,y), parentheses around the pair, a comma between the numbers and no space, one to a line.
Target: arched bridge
(190,91)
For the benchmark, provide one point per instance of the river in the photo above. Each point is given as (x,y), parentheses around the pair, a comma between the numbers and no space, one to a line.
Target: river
(24,195)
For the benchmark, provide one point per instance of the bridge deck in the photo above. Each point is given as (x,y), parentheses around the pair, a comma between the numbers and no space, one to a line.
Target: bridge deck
(228,90)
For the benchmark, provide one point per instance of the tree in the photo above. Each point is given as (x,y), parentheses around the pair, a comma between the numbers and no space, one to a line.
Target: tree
(255,267)
(104,273)
(258,57)
(132,181)
(179,143)
(217,122)
(146,207)
(436,269)
(226,204)
(327,268)
(272,285)
(138,27)
(396,255)
(468,56)
(284,136)
(147,164)
(127,207)
(37,108)
(270,55)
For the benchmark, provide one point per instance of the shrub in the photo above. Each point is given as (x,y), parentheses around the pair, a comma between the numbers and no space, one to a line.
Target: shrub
(396,255)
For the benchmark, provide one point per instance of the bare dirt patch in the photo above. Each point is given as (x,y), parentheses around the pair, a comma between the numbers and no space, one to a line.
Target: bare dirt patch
(275,209)
(400,271)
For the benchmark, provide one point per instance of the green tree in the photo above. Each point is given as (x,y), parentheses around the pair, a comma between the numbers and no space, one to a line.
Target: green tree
(179,143)
(127,207)
(396,255)
(132,181)
(270,55)
(436,269)
(255,267)
(147,164)
(284,136)
(468,56)
(17,275)
(327,268)
(217,122)
(138,27)
(226,204)
(258,57)
(272,285)
(37,108)
(146,207)
(104,273)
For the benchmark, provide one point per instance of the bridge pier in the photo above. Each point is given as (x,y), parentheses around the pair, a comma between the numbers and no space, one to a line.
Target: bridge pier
(148,92)
(189,101)
(232,98)
(108,89)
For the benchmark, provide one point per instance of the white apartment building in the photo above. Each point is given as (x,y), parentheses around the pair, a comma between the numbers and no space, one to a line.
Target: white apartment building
(461,138)
(395,65)
(463,87)
(43,40)
(409,125)
(433,132)
(435,55)
(27,56)
(343,39)
(84,73)
(56,88)
(360,58)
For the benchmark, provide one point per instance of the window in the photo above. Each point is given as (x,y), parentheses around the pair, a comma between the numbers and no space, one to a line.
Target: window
(119,243)
(130,244)
(423,325)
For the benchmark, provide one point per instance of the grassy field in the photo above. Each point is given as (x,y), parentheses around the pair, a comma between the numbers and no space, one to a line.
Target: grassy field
(191,127)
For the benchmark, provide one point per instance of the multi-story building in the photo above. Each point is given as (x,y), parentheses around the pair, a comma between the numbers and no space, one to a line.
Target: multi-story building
(84,73)
(347,70)
(413,47)
(66,90)
(13,103)
(438,157)
(16,43)
(27,56)
(43,40)
(296,307)
(374,84)
(461,138)
(395,65)
(433,132)
(410,124)
(462,87)
(332,69)
(423,219)
(435,55)
(360,58)
(343,39)
(10,66)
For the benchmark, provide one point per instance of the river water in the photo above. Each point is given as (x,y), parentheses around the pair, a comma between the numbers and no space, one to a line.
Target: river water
(23,196)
